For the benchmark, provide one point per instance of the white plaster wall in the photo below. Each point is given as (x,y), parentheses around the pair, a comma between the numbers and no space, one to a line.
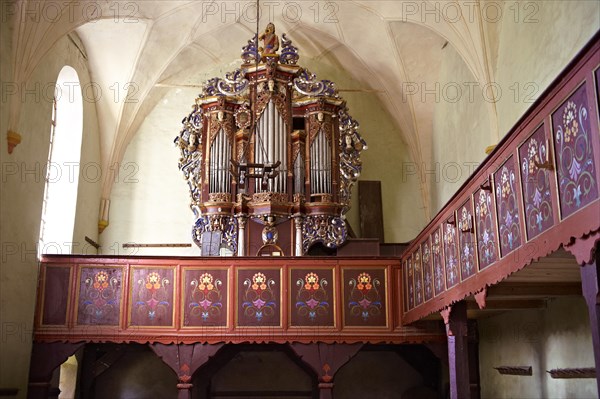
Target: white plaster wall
(461,130)
(150,200)
(21,201)
(529,44)
(535,47)
(546,339)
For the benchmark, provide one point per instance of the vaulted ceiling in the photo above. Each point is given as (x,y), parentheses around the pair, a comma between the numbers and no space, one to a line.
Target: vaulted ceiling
(148,47)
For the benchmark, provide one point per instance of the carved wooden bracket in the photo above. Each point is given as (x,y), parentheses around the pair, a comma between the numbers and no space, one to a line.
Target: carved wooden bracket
(185,359)
(481,297)
(325,359)
(583,248)
(445,313)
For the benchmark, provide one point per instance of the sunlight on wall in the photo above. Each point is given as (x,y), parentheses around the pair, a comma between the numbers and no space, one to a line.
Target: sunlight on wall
(62,169)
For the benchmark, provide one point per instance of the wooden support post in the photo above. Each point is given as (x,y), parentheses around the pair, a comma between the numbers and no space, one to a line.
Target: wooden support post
(185,360)
(589,285)
(44,359)
(325,360)
(455,318)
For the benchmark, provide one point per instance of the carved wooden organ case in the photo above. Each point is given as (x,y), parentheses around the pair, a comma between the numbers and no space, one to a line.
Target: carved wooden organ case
(270,155)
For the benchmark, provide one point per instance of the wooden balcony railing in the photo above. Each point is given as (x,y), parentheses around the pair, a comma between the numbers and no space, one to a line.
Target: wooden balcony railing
(231,300)
(537,191)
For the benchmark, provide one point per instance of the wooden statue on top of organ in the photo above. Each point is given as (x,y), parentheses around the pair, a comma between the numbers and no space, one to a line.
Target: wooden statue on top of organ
(270,156)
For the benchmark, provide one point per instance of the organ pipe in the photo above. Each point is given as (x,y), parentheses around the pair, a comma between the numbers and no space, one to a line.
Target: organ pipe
(320,172)
(220,153)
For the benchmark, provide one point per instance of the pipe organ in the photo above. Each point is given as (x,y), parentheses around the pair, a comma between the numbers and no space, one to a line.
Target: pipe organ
(270,155)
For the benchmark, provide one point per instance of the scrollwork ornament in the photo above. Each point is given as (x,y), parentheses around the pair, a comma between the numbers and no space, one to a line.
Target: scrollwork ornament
(331,231)
(226,224)
(289,53)
(308,85)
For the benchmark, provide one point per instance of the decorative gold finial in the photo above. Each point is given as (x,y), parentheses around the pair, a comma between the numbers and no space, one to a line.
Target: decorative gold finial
(490,148)
(13,138)
(102,224)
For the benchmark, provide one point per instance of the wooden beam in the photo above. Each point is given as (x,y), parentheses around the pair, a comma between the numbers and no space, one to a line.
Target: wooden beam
(534,289)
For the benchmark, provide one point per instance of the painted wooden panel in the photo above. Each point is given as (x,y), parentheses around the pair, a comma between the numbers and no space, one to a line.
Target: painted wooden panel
(410,282)
(100,295)
(597,79)
(205,302)
(427,269)
(486,226)
(535,180)
(438,263)
(574,153)
(451,253)
(311,297)
(418,277)
(405,293)
(466,237)
(259,297)
(507,207)
(151,302)
(56,295)
(364,296)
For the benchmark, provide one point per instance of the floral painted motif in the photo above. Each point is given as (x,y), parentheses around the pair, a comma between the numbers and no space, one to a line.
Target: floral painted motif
(427,273)
(99,297)
(536,184)
(507,208)
(486,229)
(438,267)
(467,244)
(259,298)
(418,279)
(451,255)
(152,305)
(311,299)
(365,300)
(206,298)
(575,155)
(411,287)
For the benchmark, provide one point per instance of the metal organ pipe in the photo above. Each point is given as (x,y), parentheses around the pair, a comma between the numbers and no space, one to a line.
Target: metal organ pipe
(220,152)
(320,171)
(271,146)
(299,174)
(272,139)
(282,177)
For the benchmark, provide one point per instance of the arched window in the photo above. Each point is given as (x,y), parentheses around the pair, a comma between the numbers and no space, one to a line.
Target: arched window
(62,169)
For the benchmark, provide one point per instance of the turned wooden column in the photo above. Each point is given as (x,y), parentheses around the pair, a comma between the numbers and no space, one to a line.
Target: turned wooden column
(325,360)
(455,318)
(185,360)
